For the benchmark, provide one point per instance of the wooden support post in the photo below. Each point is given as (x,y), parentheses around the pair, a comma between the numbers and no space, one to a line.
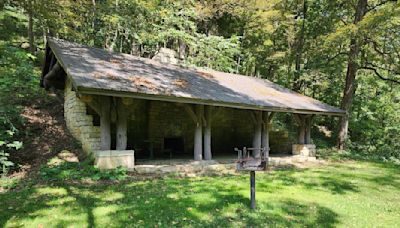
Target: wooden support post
(301,139)
(265,132)
(300,119)
(264,125)
(308,124)
(105,123)
(122,125)
(207,133)
(198,118)
(257,133)
(198,133)
(50,77)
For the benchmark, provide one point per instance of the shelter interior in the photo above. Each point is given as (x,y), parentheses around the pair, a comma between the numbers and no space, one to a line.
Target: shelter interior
(158,129)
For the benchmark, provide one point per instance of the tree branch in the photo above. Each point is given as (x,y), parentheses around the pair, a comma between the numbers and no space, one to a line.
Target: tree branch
(383,68)
(375,46)
(370,8)
(379,75)
(336,55)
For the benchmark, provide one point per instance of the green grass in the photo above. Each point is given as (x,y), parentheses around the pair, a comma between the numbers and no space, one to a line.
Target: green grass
(341,194)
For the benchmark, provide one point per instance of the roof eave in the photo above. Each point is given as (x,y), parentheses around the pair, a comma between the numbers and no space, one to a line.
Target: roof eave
(92,91)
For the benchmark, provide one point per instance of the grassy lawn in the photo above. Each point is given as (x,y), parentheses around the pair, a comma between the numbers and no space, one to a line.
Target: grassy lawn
(346,194)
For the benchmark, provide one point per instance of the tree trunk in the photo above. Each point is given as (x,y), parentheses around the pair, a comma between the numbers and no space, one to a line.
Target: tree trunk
(94,21)
(122,125)
(299,51)
(352,68)
(114,40)
(30,28)
(207,134)
(105,123)
(182,49)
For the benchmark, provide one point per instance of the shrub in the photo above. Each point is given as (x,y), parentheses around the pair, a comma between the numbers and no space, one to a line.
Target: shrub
(81,171)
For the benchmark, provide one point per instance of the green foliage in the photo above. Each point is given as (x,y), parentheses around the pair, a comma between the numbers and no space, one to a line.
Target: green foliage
(18,76)
(215,52)
(80,171)
(375,125)
(7,183)
(18,83)
(7,144)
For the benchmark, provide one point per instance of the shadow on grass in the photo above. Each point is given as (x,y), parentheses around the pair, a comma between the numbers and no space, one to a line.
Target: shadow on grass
(324,180)
(162,203)
(198,202)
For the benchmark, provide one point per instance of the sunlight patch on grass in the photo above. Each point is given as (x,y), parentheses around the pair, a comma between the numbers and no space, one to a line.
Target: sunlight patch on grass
(51,191)
(54,217)
(348,194)
(104,214)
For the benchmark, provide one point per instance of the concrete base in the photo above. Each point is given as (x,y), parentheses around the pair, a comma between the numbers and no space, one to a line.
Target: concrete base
(187,167)
(110,159)
(218,166)
(307,150)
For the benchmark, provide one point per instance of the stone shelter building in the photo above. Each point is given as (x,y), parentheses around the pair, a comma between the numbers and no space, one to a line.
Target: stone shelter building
(118,105)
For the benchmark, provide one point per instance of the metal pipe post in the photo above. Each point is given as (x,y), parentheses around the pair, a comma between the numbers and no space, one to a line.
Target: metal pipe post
(252,189)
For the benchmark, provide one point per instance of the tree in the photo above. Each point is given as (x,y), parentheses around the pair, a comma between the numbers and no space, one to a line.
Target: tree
(352,68)
(377,17)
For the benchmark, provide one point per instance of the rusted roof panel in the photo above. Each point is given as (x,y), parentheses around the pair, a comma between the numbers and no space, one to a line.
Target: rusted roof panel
(93,70)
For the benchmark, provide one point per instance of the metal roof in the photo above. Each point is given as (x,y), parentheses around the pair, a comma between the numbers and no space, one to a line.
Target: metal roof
(98,71)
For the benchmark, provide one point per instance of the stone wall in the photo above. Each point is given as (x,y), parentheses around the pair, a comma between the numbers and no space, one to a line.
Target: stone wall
(167,120)
(78,122)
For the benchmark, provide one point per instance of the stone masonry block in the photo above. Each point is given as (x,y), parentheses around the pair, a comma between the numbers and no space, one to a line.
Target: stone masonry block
(110,159)
(307,150)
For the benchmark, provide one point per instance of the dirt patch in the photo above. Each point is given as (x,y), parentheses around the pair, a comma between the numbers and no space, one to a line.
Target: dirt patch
(97,75)
(140,81)
(45,135)
(112,76)
(182,83)
(117,62)
(205,74)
